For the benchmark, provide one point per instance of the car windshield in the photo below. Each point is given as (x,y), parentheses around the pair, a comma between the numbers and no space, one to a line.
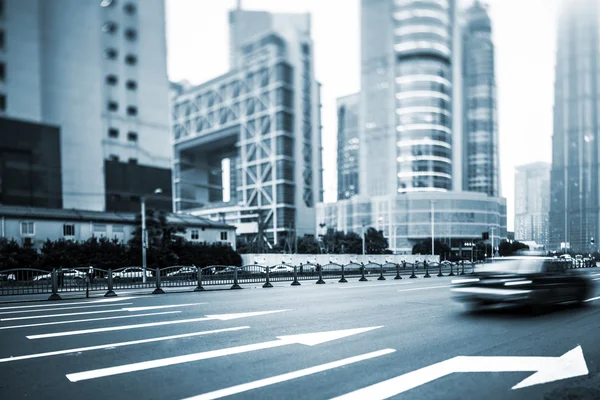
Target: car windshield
(512,266)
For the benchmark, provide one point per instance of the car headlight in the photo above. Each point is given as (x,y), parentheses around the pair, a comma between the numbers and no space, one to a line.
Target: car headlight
(517,283)
(466,280)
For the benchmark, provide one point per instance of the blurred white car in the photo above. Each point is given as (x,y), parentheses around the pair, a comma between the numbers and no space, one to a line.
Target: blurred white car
(132,273)
(184,272)
(281,269)
(69,273)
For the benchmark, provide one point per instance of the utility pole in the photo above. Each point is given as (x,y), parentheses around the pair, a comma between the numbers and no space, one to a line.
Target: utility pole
(432,228)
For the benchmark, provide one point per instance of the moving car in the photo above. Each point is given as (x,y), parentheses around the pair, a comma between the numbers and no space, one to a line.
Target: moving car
(281,269)
(184,272)
(69,273)
(531,281)
(132,273)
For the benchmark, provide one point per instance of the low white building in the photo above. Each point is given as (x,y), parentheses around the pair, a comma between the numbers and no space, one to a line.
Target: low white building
(36,225)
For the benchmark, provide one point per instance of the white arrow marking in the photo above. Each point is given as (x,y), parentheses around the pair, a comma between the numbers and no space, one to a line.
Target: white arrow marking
(88,320)
(63,308)
(130,309)
(110,300)
(223,317)
(548,369)
(121,344)
(289,376)
(309,339)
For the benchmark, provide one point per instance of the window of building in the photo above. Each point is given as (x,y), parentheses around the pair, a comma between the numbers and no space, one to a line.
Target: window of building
(113,133)
(132,110)
(129,8)
(113,157)
(131,85)
(113,106)
(110,54)
(99,227)
(27,228)
(132,136)
(2,102)
(195,234)
(2,72)
(109,27)
(1,40)
(223,236)
(131,59)
(133,161)
(112,79)
(130,34)
(68,230)
(118,229)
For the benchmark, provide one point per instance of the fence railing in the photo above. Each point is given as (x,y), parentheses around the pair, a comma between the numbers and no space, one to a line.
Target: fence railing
(62,281)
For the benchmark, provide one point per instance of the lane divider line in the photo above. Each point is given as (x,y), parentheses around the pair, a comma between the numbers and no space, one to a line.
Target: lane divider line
(425,288)
(63,308)
(375,285)
(110,300)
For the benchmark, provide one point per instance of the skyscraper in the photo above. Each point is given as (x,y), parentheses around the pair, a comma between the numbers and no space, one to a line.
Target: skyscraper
(348,145)
(95,70)
(575,201)
(532,202)
(248,143)
(480,128)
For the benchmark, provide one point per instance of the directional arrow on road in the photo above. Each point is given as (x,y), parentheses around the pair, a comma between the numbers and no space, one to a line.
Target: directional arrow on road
(307,339)
(547,369)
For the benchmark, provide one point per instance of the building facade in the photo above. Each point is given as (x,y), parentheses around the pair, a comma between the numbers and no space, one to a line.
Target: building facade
(96,70)
(532,203)
(480,125)
(459,219)
(348,140)
(248,143)
(575,201)
(33,226)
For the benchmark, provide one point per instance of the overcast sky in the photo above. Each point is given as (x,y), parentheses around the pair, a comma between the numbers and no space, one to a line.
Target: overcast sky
(524,35)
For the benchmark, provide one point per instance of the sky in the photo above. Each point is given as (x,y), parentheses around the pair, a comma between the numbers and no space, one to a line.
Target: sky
(524,33)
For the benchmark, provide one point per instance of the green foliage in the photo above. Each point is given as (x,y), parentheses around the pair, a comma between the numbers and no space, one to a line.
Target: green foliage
(506,249)
(439,248)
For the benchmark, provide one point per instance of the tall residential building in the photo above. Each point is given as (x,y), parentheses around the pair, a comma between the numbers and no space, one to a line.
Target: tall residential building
(96,72)
(532,202)
(248,143)
(480,160)
(575,201)
(348,144)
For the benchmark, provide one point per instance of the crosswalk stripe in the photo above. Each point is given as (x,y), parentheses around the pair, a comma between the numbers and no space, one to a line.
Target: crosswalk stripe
(88,320)
(63,308)
(121,344)
(289,376)
(222,317)
(128,309)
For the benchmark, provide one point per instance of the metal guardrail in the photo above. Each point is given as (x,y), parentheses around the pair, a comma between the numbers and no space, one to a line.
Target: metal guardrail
(23,281)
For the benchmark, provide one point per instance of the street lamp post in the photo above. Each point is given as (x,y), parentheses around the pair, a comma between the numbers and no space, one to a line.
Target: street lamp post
(144,233)
(432,228)
(363,239)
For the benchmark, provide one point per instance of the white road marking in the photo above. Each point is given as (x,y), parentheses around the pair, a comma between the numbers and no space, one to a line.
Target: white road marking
(121,344)
(310,339)
(596,279)
(592,299)
(547,369)
(374,285)
(222,317)
(289,376)
(424,288)
(88,320)
(109,300)
(129,309)
(63,308)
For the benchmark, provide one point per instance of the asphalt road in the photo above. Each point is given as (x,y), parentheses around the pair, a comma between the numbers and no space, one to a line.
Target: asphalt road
(245,344)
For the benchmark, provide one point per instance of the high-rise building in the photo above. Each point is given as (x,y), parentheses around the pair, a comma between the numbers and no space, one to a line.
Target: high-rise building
(575,201)
(406,92)
(532,203)
(347,146)
(96,71)
(248,143)
(480,127)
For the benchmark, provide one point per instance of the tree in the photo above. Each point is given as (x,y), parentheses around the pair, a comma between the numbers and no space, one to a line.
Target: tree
(439,248)
(308,245)
(506,248)
(12,255)
(375,242)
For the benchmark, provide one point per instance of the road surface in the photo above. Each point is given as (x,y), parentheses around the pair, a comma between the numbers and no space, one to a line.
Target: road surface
(355,340)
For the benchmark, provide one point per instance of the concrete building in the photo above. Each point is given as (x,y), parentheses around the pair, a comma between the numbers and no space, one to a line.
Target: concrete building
(96,71)
(575,176)
(458,218)
(248,143)
(481,164)
(36,225)
(532,203)
(348,146)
